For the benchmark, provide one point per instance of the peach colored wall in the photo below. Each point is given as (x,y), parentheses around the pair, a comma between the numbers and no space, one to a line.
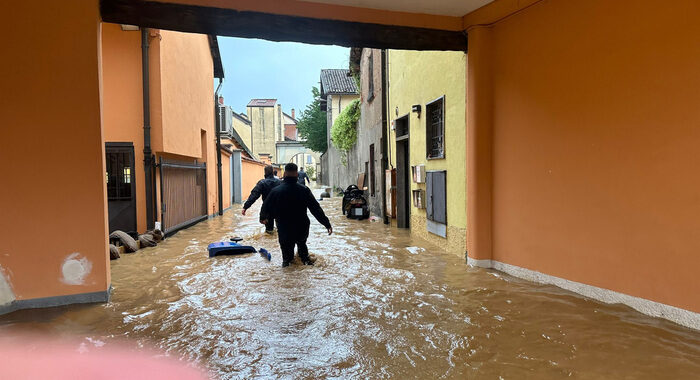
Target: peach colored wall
(182,102)
(181,90)
(53,203)
(251,173)
(122,111)
(187,91)
(594,128)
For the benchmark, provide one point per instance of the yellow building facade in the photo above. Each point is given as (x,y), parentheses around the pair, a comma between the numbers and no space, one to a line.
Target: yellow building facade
(435,82)
(242,126)
(265,116)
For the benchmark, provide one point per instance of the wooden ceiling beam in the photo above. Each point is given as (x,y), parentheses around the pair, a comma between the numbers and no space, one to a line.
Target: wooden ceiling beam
(272,27)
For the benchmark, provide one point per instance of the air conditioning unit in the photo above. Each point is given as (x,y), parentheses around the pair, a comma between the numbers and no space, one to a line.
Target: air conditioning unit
(226,121)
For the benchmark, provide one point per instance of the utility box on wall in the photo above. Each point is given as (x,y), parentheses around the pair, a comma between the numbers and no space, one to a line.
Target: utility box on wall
(419,198)
(418,173)
(436,202)
(390,196)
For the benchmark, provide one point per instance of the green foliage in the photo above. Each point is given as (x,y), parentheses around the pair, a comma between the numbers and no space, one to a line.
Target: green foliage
(311,172)
(358,82)
(344,130)
(312,124)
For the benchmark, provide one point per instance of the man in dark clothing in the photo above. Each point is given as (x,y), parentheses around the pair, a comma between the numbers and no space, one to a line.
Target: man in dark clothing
(303,178)
(263,187)
(287,204)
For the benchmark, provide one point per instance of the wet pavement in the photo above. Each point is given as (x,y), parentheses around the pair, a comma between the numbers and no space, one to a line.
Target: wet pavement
(378,304)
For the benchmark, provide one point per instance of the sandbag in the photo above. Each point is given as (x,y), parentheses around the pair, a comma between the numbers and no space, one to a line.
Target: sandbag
(113,252)
(147,240)
(157,235)
(127,241)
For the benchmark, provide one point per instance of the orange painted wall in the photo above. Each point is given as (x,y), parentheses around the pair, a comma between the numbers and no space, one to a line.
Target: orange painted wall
(187,95)
(53,200)
(181,90)
(594,117)
(122,111)
(188,101)
(251,173)
(182,102)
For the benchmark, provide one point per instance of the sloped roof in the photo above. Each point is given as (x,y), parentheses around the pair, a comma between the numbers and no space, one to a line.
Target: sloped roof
(287,115)
(239,144)
(242,117)
(262,103)
(337,81)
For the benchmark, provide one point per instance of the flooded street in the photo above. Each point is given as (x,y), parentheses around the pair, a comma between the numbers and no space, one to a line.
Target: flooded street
(378,304)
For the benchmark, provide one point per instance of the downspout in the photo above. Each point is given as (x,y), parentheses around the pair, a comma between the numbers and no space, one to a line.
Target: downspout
(385,142)
(147,153)
(217,116)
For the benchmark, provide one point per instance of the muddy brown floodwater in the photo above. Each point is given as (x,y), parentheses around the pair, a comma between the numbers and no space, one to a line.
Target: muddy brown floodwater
(378,304)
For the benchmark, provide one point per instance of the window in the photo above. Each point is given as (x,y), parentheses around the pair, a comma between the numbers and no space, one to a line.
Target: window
(308,160)
(401,126)
(435,128)
(371,169)
(370,69)
(118,175)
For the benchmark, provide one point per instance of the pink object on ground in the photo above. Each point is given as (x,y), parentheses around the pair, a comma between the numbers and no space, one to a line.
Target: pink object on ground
(34,359)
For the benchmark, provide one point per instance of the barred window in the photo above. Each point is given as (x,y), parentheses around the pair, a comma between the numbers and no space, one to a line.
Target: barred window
(435,128)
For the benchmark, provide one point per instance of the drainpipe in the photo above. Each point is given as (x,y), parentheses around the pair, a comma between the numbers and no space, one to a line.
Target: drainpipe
(385,141)
(147,153)
(217,116)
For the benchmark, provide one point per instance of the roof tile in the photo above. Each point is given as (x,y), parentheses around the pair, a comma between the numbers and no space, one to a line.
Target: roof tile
(337,81)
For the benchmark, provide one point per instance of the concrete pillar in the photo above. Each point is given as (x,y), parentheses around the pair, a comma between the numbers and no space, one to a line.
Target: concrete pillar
(53,223)
(479,145)
(236,176)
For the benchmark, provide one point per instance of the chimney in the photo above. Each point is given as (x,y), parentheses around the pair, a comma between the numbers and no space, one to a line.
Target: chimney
(293,114)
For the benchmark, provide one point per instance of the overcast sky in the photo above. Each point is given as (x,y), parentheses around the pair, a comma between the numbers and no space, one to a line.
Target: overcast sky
(285,71)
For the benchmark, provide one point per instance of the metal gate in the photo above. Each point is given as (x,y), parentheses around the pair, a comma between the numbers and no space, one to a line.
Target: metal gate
(121,186)
(183,194)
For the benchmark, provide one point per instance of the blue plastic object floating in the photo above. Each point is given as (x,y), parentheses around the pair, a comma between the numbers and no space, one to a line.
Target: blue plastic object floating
(228,248)
(264,253)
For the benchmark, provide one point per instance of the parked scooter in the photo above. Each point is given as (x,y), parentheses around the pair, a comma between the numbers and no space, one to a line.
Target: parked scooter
(354,203)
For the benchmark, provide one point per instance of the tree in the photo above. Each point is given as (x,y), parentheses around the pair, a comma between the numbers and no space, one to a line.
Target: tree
(312,124)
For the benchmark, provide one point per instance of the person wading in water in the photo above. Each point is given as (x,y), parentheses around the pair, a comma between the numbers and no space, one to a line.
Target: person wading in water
(263,187)
(287,204)
(303,177)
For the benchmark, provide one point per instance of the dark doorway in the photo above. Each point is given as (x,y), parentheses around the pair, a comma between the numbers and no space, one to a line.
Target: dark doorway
(121,186)
(403,170)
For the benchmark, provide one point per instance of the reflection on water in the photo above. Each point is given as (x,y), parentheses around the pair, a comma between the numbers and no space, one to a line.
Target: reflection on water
(378,304)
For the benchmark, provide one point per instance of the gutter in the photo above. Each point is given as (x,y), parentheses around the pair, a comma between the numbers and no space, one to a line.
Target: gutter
(217,116)
(148,158)
(385,140)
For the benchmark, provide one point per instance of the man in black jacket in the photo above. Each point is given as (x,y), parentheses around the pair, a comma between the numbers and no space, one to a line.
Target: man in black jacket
(263,187)
(303,178)
(287,204)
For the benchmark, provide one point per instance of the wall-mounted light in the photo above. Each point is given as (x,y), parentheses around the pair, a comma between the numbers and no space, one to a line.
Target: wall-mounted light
(129,28)
(416,108)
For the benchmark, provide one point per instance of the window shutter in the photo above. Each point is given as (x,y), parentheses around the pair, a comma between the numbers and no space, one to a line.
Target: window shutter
(440,197)
(436,204)
(429,192)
